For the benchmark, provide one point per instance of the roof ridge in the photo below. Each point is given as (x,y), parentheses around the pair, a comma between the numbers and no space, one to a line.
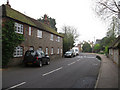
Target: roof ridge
(19,12)
(14,14)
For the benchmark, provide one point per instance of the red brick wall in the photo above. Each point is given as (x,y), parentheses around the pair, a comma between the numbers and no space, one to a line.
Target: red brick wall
(36,42)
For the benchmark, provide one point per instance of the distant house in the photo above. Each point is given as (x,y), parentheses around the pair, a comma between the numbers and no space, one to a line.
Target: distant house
(98,41)
(79,47)
(114,51)
(37,35)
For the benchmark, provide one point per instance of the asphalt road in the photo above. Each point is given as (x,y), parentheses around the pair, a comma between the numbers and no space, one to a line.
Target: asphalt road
(78,72)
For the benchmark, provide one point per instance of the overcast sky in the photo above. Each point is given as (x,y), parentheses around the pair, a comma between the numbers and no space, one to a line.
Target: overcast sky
(76,13)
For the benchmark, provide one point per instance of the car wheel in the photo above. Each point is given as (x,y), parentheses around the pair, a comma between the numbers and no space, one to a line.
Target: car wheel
(48,62)
(40,64)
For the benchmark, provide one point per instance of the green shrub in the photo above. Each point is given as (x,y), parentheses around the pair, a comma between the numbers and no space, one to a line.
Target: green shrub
(10,40)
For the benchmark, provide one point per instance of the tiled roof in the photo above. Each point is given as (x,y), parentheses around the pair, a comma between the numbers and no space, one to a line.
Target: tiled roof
(9,12)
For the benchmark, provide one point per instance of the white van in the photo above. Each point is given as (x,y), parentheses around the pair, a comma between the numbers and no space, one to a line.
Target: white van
(75,50)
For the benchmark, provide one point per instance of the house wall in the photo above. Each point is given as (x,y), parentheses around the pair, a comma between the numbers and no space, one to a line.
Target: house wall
(111,53)
(43,42)
(116,56)
(36,42)
(119,58)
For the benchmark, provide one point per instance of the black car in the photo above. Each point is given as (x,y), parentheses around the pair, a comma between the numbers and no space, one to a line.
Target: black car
(36,58)
(69,54)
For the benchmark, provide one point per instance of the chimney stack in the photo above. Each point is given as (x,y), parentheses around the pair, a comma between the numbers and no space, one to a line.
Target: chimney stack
(8,3)
(46,20)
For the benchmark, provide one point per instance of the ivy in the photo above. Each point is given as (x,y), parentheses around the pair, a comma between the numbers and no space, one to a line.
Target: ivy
(10,40)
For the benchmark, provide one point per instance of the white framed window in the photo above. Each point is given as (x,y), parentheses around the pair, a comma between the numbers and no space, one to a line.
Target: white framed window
(31,48)
(61,51)
(18,52)
(18,28)
(40,49)
(58,39)
(58,51)
(47,51)
(52,50)
(51,37)
(29,30)
(39,33)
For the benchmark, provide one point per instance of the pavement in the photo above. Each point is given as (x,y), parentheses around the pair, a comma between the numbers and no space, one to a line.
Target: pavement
(108,74)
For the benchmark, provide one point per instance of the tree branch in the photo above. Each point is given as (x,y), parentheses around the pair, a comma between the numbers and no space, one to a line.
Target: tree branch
(108,7)
(116,5)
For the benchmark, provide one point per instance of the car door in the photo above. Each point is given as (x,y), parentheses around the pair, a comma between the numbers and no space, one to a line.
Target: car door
(43,57)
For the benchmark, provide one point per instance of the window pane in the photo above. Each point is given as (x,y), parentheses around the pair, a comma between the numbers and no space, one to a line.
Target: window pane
(39,34)
(18,51)
(18,28)
(58,51)
(40,49)
(46,50)
(51,38)
(29,30)
(61,50)
(51,50)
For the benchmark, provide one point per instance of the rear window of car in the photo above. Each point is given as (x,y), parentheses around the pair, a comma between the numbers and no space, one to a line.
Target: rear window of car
(28,53)
(68,52)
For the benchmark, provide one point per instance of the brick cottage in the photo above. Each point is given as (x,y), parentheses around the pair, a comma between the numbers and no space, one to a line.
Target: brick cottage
(37,35)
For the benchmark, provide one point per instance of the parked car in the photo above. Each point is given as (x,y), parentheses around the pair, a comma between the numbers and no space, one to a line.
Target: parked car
(69,54)
(36,57)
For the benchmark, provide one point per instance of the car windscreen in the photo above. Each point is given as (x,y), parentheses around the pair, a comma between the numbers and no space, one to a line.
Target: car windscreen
(76,50)
(28,53)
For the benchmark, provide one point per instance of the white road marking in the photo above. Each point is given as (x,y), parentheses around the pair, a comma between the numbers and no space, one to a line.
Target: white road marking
(52,71)
(78,60)
(71,63)
(16,85)
(81,57)
(95,64)
(91,57)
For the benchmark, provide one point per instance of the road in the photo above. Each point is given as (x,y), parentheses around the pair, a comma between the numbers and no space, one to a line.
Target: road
(78,72)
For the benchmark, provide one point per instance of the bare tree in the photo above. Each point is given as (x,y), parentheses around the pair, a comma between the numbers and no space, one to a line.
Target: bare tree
(107,8)
(69,30)
(70,36)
